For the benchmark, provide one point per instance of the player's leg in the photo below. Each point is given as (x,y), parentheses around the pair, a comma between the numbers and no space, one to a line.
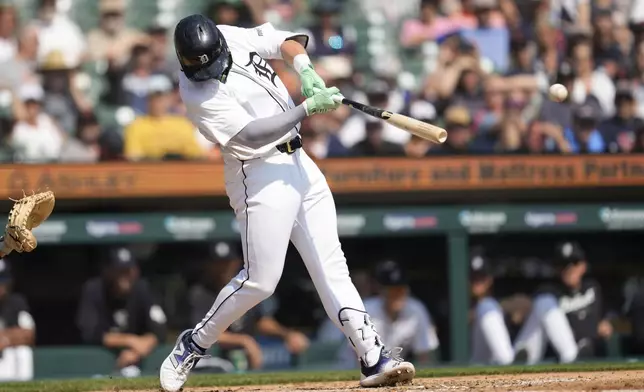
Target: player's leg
(17,364)
(265,204)
(315,235)
(546,323)
(491,339)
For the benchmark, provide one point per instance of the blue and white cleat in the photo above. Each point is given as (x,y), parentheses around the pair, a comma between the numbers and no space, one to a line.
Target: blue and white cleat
(177,366)
(390,370)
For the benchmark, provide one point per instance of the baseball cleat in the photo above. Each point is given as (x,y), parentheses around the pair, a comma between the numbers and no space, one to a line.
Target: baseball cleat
(177,366)
(389,371)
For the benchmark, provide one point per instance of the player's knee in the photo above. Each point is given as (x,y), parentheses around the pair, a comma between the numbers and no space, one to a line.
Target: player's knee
(265,288)
(505,358)
(487,305)
(569,354)
(543,303)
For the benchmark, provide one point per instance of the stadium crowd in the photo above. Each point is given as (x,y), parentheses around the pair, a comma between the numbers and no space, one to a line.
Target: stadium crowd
(481,68)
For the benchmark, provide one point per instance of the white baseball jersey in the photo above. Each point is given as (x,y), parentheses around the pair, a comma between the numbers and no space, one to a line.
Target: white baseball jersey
(252,90)
(412,330)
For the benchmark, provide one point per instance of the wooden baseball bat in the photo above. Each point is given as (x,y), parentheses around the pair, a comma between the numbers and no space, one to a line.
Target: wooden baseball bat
(416,127)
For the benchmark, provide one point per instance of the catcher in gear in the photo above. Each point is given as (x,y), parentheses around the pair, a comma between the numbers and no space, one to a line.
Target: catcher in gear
(26,214)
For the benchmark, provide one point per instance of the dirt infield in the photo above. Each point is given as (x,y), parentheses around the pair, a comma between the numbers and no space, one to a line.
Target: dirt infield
(629,380)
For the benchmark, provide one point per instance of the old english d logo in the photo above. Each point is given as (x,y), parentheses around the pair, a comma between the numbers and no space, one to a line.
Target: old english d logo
(262,68)
(177,354)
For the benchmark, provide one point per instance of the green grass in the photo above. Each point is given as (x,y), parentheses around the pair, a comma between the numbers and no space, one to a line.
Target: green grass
(221,380)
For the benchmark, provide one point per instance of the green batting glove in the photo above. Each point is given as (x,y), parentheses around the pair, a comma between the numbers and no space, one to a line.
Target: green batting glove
(322,101)
(310,81)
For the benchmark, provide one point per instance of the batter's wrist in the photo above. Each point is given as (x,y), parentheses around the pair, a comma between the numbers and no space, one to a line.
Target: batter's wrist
(302,62)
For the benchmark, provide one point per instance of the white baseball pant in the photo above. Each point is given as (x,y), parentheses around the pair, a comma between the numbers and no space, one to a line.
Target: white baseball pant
(546,322)
(491,342)
(276,199)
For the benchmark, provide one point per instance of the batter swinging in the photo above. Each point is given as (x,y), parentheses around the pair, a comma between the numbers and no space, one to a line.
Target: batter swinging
(277,192)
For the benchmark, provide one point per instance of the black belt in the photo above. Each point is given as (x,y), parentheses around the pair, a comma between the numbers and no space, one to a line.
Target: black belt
(291,146)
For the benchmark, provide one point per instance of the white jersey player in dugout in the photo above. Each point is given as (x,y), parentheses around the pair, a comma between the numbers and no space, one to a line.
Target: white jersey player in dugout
(277,192)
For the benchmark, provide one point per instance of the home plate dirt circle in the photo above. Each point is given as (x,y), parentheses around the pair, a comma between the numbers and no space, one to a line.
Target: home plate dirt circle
(627,380)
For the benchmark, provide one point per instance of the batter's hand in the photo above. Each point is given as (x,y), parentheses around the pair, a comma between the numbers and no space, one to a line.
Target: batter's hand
(310,82)
(323,101)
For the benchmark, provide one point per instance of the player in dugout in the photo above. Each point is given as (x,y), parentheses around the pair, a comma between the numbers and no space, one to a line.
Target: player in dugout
(118,311)
(568,313)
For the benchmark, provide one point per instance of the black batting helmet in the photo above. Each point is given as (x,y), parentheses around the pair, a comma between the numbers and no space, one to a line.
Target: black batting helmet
(201,49)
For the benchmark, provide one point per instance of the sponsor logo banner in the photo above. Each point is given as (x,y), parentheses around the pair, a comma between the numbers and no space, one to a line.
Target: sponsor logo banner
(102,229)
(482,221)
(190,228)
(537,219)
(622,218)
(401,222)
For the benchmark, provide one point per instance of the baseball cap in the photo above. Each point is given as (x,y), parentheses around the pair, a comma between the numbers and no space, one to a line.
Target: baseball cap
(223,251)
(479,267)
(159,84)
(5,271)
(586,112)
(31,93)
(389,273)
(120,257)
(423,111)
(569,252)
(458,116)
(565,72)
(111,6)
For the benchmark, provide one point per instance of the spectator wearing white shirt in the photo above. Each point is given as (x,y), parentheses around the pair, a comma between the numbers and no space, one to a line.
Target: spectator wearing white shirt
(590,81)
(36,138)
(8,27)
(57,32)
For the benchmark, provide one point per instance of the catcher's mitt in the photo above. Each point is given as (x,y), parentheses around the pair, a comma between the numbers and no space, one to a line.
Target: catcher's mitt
(26,214)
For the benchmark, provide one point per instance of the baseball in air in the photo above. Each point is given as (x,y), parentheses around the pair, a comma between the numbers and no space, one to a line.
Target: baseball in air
(558,92)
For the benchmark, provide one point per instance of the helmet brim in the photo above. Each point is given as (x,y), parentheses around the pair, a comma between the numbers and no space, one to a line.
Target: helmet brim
(213,71)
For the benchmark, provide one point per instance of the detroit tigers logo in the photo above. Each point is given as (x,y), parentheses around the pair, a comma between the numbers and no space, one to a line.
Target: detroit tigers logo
(204,58)
(262,68)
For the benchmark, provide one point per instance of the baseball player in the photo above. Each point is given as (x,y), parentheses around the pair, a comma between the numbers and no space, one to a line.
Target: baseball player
(400,318)
(277,192)
(491,342)
(567,313)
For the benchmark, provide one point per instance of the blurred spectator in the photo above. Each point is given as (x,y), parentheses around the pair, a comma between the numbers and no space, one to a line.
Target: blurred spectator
(20,69)
(223,265)
(490,35)
(429,25)
(63,101)
(159,45)
(138,80)
(468,89)
(160,134)
(605,48)
(591,81)
(57,32)
(17,332)
(8,30)
(381,94)
(417,147)
(36,138)
(584,137)
(231,12)
(458,124)
(85,147)
(112,40)
(490,337)
(619,131)
(374,145)
(328,36)
(118,311)
(319,133)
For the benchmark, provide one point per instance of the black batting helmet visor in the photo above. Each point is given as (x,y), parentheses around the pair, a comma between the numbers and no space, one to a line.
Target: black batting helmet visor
(201,49)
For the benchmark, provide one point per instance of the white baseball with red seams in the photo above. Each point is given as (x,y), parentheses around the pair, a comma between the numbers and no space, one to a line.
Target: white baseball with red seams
(277,198)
